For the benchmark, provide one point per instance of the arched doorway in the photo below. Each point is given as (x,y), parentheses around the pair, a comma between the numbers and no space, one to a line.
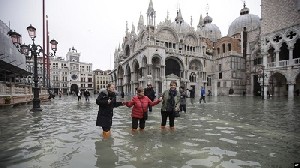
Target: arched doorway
(173,67)
(278,85)
(74,89)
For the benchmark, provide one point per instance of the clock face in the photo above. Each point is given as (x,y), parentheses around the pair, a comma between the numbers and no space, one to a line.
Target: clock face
(74,77)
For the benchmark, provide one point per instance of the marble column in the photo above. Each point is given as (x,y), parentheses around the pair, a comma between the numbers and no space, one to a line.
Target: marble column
(265,92)
(265,60)
(291,61)
(277,58)
(291,90)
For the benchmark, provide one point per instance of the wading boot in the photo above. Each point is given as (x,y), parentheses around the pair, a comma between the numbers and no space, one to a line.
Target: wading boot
(105,134)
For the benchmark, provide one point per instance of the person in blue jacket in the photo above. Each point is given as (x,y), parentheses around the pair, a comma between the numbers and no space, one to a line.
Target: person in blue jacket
(202,93)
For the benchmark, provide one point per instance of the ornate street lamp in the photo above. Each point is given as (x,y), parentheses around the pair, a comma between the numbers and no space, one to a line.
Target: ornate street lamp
(262,75)
(15,38)
(53,45)
(30,51)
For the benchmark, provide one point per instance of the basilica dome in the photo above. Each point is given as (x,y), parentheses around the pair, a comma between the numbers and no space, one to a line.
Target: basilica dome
(181,27)
(208,30)
(250,21)
(179,24)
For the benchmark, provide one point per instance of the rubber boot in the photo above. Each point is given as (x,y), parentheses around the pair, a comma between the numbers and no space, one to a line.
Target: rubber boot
(105,134)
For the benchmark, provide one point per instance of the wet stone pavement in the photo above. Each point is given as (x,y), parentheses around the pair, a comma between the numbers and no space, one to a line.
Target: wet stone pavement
(225,132)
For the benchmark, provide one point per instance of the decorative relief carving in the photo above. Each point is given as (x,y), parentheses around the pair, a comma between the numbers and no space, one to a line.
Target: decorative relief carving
(190,40)
(166,35)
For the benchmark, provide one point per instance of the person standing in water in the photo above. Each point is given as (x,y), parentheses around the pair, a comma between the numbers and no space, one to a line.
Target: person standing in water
(79,95)
(107,102)
(202,93)
(140,105)
(183,97)
(150,93)
(170,104)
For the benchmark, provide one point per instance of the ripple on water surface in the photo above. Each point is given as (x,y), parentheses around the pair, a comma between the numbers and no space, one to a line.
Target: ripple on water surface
(226,132)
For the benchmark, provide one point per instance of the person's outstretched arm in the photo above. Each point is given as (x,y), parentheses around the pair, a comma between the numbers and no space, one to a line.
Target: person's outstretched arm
(130,103)
(150,103)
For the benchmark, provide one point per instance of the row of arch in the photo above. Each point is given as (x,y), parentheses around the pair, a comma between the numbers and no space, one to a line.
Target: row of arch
(279,82)
(287,36)
(190,38)
(128,76)
(284,51)
(166,34)
(172,64)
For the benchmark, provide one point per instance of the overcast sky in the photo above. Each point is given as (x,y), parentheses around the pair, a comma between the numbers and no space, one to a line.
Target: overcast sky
(96,27)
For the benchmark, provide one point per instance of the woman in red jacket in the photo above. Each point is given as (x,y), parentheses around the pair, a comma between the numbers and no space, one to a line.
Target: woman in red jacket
(140,105)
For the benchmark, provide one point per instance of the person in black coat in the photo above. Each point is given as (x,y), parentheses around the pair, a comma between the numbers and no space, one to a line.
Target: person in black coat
(150,93)
(106,101)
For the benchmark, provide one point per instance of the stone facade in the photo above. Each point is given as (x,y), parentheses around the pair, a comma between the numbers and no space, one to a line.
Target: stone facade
(174,50)
(101,79)
(279,14)
(280,47)
(71,75)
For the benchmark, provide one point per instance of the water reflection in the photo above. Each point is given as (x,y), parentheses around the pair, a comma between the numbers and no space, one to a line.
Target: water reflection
(105,154)
(225,132)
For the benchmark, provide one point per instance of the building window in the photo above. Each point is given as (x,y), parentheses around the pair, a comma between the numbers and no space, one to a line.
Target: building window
(220,75)
(90,80)
(229,46)
(218,84)
(223,47)
(208,81)
(90,85)
(220,67)
(193,77)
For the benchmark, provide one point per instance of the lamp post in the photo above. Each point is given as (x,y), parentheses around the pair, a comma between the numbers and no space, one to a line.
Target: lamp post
(30,51)
(54,49)
(263,76)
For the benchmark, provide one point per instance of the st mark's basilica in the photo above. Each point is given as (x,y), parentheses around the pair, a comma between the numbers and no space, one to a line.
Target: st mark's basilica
(257,57)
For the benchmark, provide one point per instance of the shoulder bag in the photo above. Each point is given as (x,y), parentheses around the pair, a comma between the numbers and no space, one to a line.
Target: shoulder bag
(145,114)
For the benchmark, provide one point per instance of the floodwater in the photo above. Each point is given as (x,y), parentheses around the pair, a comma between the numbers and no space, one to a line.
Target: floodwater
(225,132)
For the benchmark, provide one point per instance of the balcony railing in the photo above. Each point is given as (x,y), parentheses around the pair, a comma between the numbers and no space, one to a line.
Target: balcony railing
(271,64)
(297,61)
(284,63)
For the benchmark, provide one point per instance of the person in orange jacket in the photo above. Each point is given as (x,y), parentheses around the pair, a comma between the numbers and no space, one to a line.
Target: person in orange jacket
(140,105)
